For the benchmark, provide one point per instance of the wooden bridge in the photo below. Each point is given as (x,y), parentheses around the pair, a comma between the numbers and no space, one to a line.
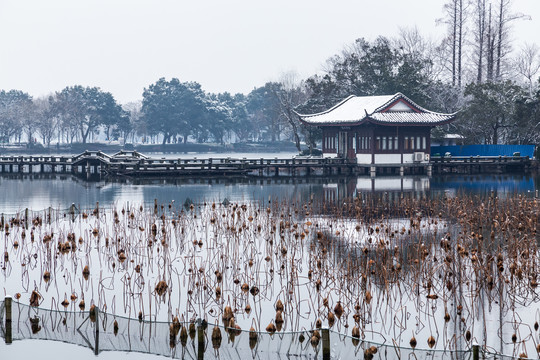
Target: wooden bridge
(135,164)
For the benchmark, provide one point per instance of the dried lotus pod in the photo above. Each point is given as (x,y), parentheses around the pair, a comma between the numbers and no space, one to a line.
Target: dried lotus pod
(161,287)
(86,272)
(431,342)
(279,306)
(34,298)
(216,337)
(227,314)
(331,319)
(271,328)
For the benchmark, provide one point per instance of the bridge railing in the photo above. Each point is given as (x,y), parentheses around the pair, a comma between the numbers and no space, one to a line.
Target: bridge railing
(35,159)
(227,162)
(93,155)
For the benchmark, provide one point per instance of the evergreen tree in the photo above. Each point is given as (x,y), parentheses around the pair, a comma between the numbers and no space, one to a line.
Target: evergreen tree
(490,112)
(370,69)
(172,107)
(15,111)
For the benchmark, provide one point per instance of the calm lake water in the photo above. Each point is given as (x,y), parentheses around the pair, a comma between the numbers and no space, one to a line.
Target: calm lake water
(38,192)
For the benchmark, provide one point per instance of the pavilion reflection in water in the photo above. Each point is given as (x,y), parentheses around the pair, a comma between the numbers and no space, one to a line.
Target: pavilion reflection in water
(392,187)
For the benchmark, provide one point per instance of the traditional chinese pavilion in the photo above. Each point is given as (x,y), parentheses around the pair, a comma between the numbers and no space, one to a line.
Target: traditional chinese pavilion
(387,129)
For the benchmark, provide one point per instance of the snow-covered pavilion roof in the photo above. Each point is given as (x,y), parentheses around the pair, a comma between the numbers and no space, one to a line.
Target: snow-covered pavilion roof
(383,110)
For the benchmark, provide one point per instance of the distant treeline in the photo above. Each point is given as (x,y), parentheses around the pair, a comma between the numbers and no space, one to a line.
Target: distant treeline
(496,91)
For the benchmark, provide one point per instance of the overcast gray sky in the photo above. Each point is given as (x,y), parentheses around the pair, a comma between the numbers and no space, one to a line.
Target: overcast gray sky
(123,46)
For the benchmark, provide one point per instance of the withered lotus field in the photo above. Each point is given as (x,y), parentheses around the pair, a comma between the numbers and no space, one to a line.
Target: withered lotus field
(436,273)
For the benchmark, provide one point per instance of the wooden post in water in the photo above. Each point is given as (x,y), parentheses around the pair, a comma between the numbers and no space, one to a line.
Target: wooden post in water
(200,340)
(96,344)
(7,305)
(476,351)
(72,211)
(325,343)
(26,218)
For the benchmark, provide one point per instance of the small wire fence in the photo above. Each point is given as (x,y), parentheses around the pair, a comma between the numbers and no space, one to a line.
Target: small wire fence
(100,331)
(28,217)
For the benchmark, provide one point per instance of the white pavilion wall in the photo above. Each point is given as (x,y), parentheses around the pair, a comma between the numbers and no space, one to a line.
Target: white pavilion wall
(388,158)
(408,158)
(363,158)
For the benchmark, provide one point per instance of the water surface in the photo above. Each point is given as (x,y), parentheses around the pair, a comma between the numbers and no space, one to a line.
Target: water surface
(39,192)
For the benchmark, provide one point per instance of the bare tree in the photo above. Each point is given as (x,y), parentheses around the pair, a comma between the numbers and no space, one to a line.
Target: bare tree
(28,122)
(498,36)
(490,45)
(411,42)
(456,17)
(138,126)
(290,94)
(527,64)
(492,38)
(46,122)
(480,37)
(505,19)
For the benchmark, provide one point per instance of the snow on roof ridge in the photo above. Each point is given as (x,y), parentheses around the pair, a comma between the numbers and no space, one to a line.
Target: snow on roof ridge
(328,110)
(410,118)
(350,109)
(421,108)
(395,97)
(392,97)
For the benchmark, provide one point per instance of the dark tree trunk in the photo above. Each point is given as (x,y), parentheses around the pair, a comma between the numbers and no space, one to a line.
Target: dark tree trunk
(460,42)
(495,139)
(84,136)
(454,37)
(490,51)
(500,40)
(481,8)
(165,138)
